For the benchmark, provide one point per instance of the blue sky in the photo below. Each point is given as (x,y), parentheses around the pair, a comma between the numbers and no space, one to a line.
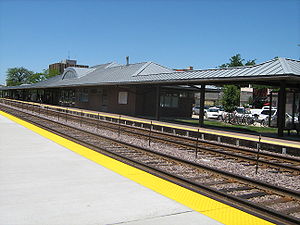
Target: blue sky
(177,34)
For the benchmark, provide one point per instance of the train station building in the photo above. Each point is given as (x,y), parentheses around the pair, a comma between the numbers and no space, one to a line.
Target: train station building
(150,89)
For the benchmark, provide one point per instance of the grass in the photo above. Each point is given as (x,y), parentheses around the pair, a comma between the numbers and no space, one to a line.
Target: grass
(230,127)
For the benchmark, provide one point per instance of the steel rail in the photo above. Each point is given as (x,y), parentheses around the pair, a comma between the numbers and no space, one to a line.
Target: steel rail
(179,179)
(281,165)
(173,140)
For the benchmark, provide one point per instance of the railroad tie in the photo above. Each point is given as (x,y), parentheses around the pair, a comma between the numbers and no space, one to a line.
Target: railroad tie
(205,177)
(252,195)
(216,182)
(155,162)
(243,188)
(276,201)
(291,210)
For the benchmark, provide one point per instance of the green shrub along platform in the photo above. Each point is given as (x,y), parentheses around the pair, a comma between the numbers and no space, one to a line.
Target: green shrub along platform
(229,127)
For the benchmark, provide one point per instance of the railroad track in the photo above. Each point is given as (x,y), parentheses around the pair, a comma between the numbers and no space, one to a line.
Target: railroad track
(248,156)
(256,197)
(280,162)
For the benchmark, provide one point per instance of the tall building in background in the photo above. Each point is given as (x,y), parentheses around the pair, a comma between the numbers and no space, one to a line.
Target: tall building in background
(65,64)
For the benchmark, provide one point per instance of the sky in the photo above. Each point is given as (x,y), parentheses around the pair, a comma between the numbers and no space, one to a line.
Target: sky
(177,34)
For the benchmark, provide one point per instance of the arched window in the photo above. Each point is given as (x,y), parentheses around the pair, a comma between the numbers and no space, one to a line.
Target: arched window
(69,75)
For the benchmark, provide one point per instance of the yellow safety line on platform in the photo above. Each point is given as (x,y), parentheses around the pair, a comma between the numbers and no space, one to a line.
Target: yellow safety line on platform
(263,140)
(209,207)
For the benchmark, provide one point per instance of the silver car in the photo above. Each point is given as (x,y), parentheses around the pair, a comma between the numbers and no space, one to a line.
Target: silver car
(196,110)
(288,121)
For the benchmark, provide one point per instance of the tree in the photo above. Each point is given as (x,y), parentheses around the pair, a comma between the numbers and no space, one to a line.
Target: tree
(250,62)
(20,75)
(17,76)
(36,77)
(51,73)
(250,100)
(237,60)
(230,98)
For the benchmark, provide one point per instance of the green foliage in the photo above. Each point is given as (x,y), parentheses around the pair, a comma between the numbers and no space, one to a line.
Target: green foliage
(20,75)
(231,97)
(225,65)
(36,77)
(237,60)
(17,76)
(259,87)
(50,73)
(230,127)
(250,62)
(250,100)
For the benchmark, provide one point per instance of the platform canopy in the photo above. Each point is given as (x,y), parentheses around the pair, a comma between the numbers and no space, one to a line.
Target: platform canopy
(270,73)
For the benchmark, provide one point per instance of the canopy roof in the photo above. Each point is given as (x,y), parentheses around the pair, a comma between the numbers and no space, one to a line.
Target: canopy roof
(275,70)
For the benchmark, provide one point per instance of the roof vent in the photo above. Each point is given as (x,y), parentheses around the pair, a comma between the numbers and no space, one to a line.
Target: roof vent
(127,60)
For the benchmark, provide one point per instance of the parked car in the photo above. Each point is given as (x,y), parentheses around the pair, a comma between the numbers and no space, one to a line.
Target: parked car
(214,113)
(196,109)
(256,112)
(288,121)
(240,111)
(263,117)
(268,107)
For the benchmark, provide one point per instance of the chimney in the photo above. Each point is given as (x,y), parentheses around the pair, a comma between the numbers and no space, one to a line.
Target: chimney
(127,60)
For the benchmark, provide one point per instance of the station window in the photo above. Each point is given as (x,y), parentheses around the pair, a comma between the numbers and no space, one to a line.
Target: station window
(69,75)
(104,98)
(123,98)
(183,95)
(67,97)
(168,100)
(84,95)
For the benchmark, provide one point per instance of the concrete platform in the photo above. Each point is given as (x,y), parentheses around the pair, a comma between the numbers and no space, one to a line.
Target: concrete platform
(42,182)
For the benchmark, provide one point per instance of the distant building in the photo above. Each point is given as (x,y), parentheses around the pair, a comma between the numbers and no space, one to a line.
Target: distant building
(61,66)
(246,96)
(260,97)
(188,69)
(213,96)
